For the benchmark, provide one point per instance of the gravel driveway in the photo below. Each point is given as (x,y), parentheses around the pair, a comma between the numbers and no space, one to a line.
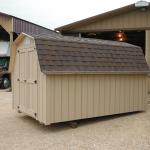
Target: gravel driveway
(119,132)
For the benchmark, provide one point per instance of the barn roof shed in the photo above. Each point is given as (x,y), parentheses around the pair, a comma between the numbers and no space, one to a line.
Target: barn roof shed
(59,78)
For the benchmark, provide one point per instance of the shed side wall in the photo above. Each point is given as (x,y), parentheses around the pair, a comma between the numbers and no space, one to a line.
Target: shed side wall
(131,19)
(72,97)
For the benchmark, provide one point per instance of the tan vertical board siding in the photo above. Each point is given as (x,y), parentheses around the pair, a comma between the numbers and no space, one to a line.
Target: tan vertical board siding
(114,22)
(93,26)
(140,107)
(122,93)
(144,19)
(144,84)
(6,23)
(131,19)
(136,90)
(138,18)
(131,88)
(22,77)
(41,88)
(117,93)
(112,93)
(120,21)
(103,24)
(109,23)
(97,25)
(35,78)
(84,89)
(126,20)
(52,98)
(58,98)
(146,106)
(72,97)
(90,96)
(148,54)
(44,98)
(65,114)
(102,95)
(127,93)
(107,94)
(78,97)
(71,91)
(48,100)
(96,95)
(31,76)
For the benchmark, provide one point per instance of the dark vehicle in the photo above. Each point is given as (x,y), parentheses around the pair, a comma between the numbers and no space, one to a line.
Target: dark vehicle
(4,75)
(4,64)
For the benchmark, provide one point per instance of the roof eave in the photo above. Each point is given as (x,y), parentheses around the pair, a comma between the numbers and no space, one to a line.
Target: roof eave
(6,15)
(94,72)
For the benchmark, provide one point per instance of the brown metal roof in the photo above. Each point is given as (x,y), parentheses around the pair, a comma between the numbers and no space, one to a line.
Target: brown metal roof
(71,55)
(20,25)
(96,18)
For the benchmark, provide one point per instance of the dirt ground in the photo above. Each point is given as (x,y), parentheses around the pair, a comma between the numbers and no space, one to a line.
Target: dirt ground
(119,132)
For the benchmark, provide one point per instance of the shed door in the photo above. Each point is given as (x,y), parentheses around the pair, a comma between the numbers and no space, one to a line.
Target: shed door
(31,82)
(28,81)
(22,80)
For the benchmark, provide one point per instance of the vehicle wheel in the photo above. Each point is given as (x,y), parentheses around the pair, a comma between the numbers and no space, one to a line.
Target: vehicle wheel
(5,83)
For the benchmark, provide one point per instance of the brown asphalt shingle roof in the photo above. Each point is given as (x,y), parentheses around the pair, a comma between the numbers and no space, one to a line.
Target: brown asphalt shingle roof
(71,55)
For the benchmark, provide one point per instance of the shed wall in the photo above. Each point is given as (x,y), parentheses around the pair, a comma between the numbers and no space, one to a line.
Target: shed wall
(131,19)
(72,97)
(148,54)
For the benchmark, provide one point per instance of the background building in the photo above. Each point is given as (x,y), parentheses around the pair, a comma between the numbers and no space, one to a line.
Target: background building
(127,24)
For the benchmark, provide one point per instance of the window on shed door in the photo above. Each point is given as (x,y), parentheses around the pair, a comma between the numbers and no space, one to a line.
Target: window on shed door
(27,40)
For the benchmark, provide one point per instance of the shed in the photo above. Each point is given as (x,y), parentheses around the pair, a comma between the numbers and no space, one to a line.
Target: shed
(60,78)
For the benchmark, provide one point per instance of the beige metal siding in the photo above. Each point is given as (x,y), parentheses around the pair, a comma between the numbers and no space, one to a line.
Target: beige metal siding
(41,85)
(6,23)
(72,97)
(148,54)
(131,19)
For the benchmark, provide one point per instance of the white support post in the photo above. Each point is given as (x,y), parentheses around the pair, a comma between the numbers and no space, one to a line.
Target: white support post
(11,41)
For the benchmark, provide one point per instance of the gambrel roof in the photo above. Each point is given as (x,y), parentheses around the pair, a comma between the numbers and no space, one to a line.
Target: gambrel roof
(70,55)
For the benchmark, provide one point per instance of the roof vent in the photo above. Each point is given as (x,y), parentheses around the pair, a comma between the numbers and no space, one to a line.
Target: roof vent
(141,4)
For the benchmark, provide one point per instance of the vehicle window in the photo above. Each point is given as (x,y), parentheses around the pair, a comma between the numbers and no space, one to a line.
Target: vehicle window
(2,62)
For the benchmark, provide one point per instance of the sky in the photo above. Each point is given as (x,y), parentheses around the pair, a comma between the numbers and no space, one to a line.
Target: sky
(55,13)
